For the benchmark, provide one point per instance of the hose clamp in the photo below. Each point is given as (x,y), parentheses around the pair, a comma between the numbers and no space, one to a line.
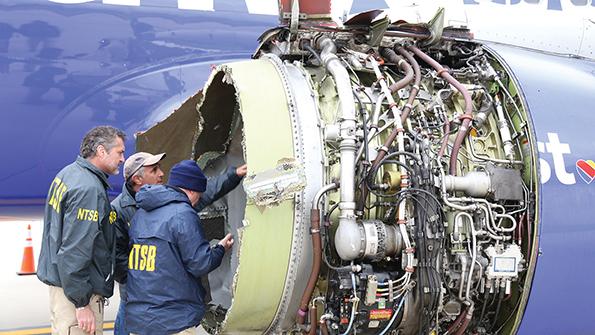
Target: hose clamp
(441,71)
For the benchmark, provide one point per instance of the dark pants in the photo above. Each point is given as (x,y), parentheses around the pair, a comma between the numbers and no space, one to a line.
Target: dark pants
(120,323)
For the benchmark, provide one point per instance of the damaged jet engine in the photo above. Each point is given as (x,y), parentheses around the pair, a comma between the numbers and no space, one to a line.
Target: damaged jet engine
(392,183)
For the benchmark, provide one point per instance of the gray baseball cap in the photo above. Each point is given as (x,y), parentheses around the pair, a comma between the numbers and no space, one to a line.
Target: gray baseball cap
(138,160)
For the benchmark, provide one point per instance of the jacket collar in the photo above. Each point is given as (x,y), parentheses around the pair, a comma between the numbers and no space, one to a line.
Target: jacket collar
(95,170)
(127,199)
(151,197)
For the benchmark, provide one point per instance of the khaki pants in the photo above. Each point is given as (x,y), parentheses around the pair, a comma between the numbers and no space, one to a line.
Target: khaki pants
(188,331)
(63,313)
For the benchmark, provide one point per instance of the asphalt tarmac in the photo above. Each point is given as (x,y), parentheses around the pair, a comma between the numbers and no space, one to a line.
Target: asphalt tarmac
(24,307)
(25,299)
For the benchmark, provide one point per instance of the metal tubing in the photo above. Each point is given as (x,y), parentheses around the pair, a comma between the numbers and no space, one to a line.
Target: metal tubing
(463,259)
(398,132)
(353,305)
(321,192)
(475,183)
(504,131)
(373,124)
(347,235)
(506,230)
(473,252)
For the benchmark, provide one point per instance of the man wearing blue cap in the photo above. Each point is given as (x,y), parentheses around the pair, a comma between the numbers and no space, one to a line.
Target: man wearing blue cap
(169,254)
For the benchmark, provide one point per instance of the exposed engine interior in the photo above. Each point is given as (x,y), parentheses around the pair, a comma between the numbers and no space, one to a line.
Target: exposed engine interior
(413,185)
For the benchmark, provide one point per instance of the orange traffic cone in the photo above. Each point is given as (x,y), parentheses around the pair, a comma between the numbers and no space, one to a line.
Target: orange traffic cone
(28,263)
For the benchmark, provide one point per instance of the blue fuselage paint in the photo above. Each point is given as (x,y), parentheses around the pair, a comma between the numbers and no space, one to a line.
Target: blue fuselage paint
(560,94)
(65,68)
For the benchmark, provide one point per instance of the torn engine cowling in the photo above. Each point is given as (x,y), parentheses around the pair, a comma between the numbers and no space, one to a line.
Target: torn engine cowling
(392,186)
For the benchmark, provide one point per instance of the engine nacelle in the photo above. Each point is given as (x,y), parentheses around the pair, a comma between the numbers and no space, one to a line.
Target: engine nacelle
(431,151)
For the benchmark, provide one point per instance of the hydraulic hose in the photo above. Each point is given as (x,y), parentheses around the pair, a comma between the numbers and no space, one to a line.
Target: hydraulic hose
(410,74)
(399,130)
(457,322)
(466,118)
(392,56)
(313,319)
(323,327)
(316,257)
(395,314)
(498,305)
(445,139)
(402,64)
(314,53)
(415,87)
(316,252)
(466,320)
(519,233)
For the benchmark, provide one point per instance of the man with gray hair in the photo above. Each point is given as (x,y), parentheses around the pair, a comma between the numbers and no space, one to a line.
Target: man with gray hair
(141,169)
(78,246)
(165,293)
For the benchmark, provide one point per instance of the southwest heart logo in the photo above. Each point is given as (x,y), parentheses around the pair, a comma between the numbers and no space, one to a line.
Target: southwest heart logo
(586,169)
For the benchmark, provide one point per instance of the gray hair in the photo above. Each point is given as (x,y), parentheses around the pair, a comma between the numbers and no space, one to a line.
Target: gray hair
(101,135)
(140,173)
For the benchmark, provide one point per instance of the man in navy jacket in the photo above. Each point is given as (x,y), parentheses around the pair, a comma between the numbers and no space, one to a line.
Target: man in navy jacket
(141,169)
(169,254)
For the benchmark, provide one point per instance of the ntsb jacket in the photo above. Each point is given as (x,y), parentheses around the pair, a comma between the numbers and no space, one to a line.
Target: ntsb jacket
(168,255)
(78,243)
(125,207)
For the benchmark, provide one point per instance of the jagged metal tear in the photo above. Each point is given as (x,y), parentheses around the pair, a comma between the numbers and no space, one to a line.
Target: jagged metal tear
(275,185)
(239,119)
(253,285)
